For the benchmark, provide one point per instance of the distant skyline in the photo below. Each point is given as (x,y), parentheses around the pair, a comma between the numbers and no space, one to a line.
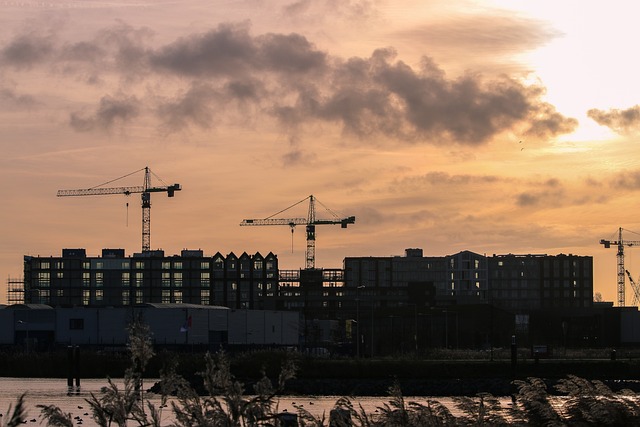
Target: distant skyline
(491,126)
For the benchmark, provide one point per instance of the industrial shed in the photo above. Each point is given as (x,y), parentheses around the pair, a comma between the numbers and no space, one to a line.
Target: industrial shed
(41,326)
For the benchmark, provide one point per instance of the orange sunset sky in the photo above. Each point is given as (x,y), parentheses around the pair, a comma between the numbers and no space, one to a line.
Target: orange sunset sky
(491,126)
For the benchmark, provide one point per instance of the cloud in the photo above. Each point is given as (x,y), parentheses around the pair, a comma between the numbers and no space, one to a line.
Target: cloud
(318,11)
(110,112)
(192,107)
(549,194)
(444,178)
(620,121)
(12,99)
(629,180)
(26,51)
(493,35)
(285,77)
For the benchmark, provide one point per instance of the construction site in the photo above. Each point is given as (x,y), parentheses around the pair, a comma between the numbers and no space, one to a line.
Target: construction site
(370,306)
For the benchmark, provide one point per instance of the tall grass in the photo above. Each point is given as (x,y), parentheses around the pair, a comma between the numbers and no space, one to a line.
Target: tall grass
(226,401)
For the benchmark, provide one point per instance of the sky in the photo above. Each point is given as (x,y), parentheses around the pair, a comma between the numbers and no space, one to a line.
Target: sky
(497,126)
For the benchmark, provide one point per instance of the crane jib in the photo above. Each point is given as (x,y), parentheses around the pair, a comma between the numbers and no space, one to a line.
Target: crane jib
(145,191)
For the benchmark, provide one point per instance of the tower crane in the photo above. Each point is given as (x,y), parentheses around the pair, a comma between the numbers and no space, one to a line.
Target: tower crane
(636,289)
(310,222)
(145,191)
(620,258)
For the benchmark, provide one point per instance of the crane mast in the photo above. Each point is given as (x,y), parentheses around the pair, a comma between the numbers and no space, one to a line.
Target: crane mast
(636,289)
(310,223)
(145,193)
(620,243)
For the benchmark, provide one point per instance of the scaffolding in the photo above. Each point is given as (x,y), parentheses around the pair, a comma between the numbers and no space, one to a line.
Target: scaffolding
(15,291)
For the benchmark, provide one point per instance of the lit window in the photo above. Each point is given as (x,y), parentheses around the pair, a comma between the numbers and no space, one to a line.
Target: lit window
(125,265)
(177,280)
(138,280)
(204,265)
(44,265)
(99,279)
(86,295)
(204,296)
(86,279)
(86,265)
(139,265)
(126,278)
(257,265)
(139,297)
(205,279)
(99,265)
(99,294)
(44,296)
(166,265)
(177,265)
(166,279)
(166,296)
(125,297)
(177,295)
(44,279)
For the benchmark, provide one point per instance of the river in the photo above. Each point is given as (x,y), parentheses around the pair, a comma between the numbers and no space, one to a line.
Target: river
(53,391)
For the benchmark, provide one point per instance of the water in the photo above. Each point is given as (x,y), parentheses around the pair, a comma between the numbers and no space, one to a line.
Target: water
(53,391)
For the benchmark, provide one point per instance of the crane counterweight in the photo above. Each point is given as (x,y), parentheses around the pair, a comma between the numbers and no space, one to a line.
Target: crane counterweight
(310,223)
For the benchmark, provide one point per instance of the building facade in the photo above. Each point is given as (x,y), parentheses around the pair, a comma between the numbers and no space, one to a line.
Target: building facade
(382,304)
(75,279)
(541,282)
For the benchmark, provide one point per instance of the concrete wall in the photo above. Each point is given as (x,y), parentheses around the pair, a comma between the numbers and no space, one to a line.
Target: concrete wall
(258,327)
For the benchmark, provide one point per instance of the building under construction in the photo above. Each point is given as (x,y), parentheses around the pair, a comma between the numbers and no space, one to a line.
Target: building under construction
(416,301)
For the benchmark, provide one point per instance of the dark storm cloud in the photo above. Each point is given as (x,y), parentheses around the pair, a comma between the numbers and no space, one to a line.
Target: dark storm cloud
(286,77)
(620,121)
(110,112)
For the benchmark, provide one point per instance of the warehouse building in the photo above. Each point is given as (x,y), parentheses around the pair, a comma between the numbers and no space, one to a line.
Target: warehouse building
(172,325)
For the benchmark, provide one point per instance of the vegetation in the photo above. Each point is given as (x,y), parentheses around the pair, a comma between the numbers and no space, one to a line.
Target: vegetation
(16,416)
(223,400)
